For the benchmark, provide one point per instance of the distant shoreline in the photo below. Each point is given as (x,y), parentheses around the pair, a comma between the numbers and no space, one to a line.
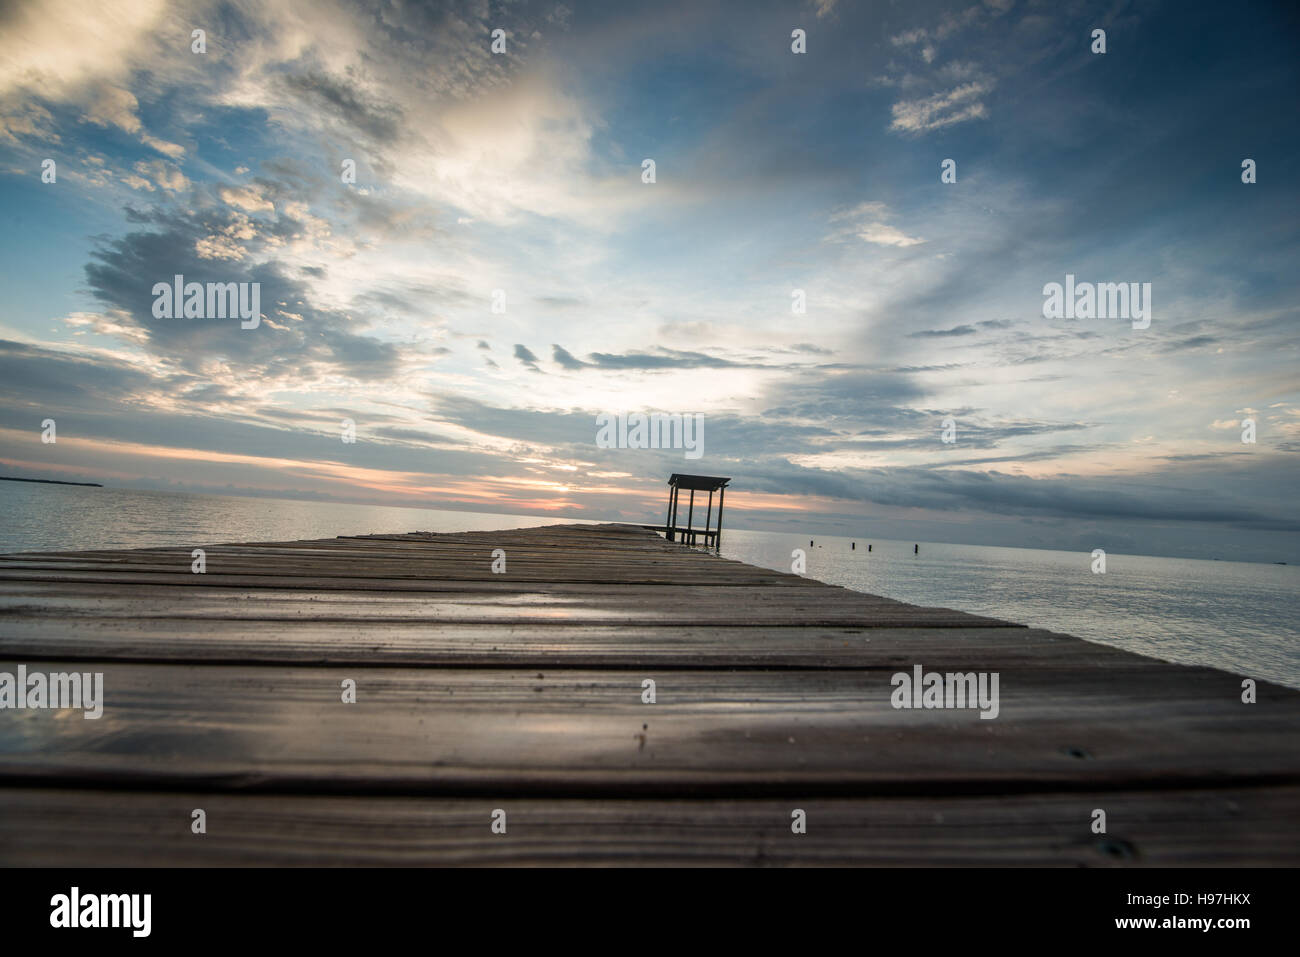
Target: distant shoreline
(9,478)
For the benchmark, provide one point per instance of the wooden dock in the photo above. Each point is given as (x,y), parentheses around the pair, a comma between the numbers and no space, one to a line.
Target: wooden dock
(522,691)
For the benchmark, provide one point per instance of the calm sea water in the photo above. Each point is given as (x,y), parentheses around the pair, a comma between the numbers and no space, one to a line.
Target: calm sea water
(1237,616)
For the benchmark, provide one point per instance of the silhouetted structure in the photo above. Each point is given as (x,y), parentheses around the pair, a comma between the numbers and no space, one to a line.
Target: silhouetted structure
(695,483)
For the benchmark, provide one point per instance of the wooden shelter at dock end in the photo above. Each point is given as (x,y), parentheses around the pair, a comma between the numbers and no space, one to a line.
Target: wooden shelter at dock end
(694,483)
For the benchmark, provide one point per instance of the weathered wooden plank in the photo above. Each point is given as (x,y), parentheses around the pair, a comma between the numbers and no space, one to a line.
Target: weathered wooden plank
(270,588)
(548,645)
(465,564)
(534,554)
(578,540)
(88,828)
(212,599)
(588,732)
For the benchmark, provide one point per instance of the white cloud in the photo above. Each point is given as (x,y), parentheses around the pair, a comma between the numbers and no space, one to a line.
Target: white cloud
(67,51)
(867,222)
(908,37)
(958,103)
(164,174)
(71,50)
(112,106)
(174,150)
(247,198)
(935,112)
(883,235)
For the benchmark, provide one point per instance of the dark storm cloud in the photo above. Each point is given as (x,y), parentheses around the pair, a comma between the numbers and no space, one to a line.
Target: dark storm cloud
(299,338)
(339,97)
(966,329)
(943,367)
(1046,455)
(663,358)
(667,359)
(940,333)
(292,175)
(391,299)
(848,399)
(326,418)
(968,437)
(526,358)
(562,357)
(1192,342)
(573,432)
(410,436)
(44,378)
(568,430)
(410,219)
(105,400)
(997,493)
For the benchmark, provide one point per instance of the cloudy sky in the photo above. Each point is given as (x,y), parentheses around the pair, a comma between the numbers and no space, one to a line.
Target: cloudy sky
(774,172)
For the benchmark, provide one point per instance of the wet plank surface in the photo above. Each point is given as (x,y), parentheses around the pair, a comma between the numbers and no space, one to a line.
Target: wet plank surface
(42,827)
(549,644)
(526,688)
(576,731)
